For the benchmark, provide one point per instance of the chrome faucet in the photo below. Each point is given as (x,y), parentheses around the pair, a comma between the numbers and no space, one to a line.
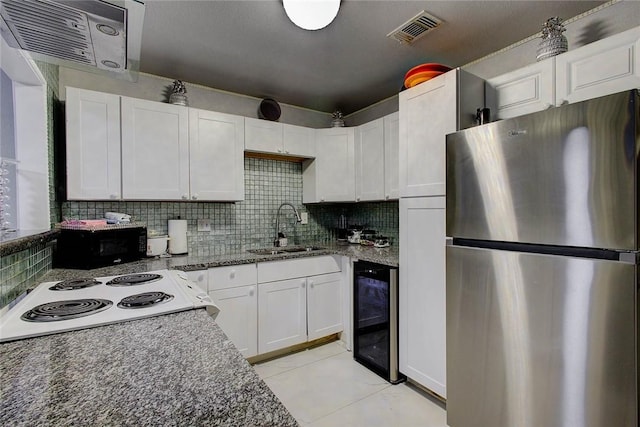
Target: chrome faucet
(276,241)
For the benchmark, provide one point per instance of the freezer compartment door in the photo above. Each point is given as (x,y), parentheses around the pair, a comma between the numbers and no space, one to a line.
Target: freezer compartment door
(540,340)
(565,176)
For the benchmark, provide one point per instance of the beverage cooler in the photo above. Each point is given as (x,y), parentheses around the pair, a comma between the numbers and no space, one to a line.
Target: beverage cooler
(375,323)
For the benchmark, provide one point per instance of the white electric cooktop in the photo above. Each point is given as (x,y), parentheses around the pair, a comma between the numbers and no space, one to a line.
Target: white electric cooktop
(61,306)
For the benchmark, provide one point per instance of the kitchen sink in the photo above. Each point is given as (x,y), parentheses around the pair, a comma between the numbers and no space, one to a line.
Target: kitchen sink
(284,250)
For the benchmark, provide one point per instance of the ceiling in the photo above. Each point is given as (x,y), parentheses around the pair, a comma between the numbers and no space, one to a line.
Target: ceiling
(251,47)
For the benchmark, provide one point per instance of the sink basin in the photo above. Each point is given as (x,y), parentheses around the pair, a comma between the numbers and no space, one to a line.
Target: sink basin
(284,250)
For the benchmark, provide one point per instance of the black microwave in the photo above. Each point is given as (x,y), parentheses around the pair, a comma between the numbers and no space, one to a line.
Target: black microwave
(102,247)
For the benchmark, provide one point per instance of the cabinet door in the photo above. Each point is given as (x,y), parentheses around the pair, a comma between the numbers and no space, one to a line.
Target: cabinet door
(93,145)
(155,150)
(282,314)
(522,91)
(200,278)
(324,305)
(369,152)
(298,141)
(216,143)
(601,68)
(391,152)
(238,317)
(262,136)
(422,313)
(427,113)
(335,174)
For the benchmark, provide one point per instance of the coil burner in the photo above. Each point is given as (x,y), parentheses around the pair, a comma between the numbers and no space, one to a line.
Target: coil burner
(146,299)
(134,279)
(64,310)
(73,284)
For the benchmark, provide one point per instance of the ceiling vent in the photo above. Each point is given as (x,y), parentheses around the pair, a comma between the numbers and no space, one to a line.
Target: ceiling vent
(415,28)
(90,34)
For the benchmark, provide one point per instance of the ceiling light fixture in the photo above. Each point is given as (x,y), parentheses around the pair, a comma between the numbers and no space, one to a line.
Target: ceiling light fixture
(311,14)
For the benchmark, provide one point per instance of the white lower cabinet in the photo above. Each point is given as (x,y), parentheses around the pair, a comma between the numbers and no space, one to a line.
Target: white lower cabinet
(299,300)
(238,317)
(422,335)
(234,290)
(324,305)
(282,314)
(296,301)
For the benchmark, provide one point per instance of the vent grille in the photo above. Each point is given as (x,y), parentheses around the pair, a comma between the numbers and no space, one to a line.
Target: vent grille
(50,29)
(415,28)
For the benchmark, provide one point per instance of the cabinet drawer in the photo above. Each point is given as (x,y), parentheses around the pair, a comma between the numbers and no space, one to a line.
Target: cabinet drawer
(303,267)
(232,276)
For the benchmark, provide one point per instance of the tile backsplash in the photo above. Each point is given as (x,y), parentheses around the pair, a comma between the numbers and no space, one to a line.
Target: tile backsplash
(250,223)
(21,270)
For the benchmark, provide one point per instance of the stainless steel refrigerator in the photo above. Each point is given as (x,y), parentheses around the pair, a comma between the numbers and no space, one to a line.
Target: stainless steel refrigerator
(542,268)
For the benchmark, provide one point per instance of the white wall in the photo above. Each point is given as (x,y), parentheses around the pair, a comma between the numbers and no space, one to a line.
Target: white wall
(604,21)
(153,88)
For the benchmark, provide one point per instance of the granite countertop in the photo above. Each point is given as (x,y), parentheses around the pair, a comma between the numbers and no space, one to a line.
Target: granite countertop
(386,256)
(169,370)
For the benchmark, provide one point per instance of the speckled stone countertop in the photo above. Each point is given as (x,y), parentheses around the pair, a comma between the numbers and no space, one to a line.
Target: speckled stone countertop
(169,370)
(386,256)
(18,241)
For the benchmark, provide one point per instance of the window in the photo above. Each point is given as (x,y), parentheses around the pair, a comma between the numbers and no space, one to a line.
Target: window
(8,215)
(23,144)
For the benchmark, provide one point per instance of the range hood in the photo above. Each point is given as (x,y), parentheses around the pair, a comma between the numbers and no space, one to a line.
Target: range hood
(91,35)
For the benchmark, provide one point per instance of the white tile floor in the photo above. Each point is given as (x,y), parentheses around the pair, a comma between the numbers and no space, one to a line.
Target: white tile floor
(325,387)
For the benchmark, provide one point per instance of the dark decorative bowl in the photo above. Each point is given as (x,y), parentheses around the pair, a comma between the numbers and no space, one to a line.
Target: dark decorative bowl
(269,110)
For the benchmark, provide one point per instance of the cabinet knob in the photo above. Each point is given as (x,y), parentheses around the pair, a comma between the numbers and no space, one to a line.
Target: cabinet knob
(286,151)
(232,274)
(311,284)
(279,150)
(357,199)
(194,197)
(322,199)
(303,284)
(547,106)
(251,292)
(113,196)
(386,196)
(564,102)
(185,197)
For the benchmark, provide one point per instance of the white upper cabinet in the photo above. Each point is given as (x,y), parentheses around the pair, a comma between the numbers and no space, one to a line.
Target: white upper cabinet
(428,112)
(370,161)
(263,136)
(331,176)
(391,152)
(93,145)
(601,68)
(298,141)
(155,150)
(121,148)
(522,91)
(216,144)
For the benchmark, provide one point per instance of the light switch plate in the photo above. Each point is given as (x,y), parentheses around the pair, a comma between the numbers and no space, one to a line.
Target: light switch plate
(304,216)
(204,225)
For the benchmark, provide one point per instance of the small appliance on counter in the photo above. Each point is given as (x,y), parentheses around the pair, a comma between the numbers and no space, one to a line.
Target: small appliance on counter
(178,236)
(54,307)
(85,246)
(157,245)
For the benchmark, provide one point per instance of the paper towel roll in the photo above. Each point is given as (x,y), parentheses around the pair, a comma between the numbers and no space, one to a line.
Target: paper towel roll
(178,236)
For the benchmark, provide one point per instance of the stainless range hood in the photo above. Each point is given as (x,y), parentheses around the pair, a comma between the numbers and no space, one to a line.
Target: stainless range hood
(91,35)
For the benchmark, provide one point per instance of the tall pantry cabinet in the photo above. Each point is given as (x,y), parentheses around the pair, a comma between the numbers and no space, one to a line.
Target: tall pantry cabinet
(428,112)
